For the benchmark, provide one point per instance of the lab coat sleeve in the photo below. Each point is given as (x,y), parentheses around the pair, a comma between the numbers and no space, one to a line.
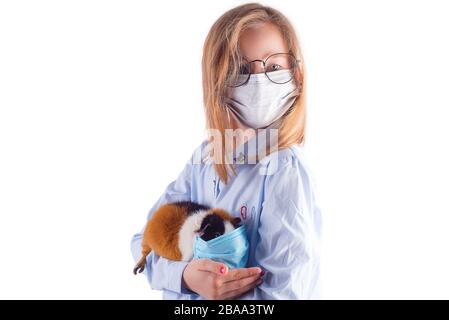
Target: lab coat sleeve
(162,273)
(288,237)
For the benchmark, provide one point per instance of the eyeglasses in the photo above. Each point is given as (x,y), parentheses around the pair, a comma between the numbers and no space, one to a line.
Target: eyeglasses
(274,62)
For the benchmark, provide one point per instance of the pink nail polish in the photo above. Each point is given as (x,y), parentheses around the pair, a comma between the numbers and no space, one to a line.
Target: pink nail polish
(222,270)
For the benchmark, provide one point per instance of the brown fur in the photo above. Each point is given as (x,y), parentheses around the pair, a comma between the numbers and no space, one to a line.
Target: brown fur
(162,234)
(162,231)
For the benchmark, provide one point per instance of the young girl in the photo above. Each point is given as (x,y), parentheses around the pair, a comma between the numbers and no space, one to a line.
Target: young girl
(253,78)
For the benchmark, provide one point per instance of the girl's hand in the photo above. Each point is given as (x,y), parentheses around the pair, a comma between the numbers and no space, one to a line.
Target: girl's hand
(214,281)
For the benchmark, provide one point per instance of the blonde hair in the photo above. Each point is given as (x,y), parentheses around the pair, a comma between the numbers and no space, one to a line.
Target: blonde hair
(221,56)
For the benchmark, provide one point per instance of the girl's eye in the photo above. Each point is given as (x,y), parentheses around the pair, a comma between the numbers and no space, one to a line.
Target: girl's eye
(274,67)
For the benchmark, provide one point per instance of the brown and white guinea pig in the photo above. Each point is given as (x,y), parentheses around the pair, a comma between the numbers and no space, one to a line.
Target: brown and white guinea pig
(171,230)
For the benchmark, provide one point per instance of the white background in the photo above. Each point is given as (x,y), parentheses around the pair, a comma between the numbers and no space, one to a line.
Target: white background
(101,106)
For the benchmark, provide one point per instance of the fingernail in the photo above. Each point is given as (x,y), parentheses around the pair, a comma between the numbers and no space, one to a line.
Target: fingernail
(262,272)
(222,270)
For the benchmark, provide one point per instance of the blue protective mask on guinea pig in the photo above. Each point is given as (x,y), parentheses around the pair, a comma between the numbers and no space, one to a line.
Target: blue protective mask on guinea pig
(231,248)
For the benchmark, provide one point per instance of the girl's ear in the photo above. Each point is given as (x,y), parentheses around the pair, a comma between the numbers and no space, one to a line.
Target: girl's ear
(236,221)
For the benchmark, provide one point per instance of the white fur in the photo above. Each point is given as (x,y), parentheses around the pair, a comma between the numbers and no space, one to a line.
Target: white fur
(228,227)
(187,233)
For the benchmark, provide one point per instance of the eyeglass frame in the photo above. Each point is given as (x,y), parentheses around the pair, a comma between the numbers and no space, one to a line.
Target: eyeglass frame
(265,70)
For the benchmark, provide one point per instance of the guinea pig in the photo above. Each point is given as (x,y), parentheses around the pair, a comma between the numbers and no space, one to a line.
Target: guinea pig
(171,231)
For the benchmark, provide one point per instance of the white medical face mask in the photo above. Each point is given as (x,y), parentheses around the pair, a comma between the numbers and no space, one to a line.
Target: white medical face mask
(260,102)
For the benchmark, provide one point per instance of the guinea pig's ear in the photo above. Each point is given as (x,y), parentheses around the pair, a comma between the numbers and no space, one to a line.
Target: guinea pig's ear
(236,221)
(199,232)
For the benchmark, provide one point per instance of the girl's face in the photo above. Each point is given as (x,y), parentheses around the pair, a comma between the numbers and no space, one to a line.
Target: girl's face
(257,43)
